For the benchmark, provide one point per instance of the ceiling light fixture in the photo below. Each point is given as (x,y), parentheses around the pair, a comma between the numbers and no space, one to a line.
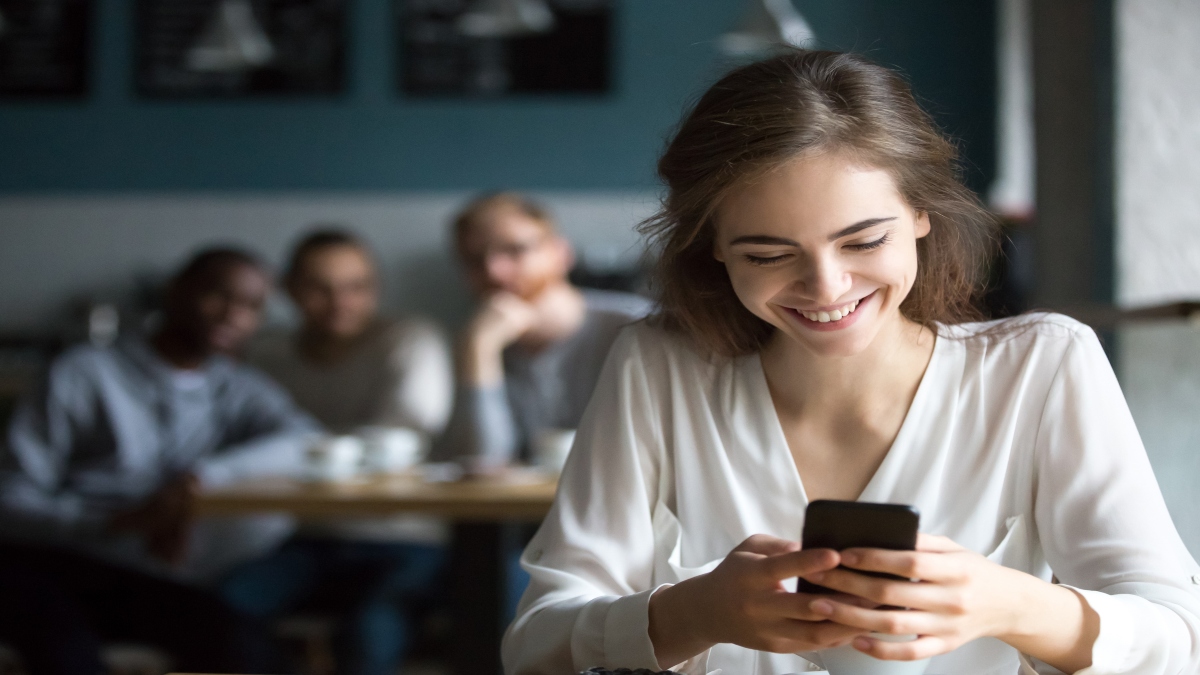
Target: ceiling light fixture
(766,25)
(506,18)
(232,42)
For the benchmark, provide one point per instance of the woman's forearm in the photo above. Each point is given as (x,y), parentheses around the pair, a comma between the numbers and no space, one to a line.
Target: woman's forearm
(1056,625)
(675,627)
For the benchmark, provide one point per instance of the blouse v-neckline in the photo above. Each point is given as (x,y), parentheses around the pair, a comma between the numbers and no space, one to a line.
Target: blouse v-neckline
(874,490)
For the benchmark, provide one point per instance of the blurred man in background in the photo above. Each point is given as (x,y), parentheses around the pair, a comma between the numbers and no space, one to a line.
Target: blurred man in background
(530,356)
(346,364)
(357,372)
(103,462)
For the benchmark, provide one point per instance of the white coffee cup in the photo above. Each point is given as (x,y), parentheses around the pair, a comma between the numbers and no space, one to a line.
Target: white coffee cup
(551,447)
(846,660)
(391,449)
(334,458)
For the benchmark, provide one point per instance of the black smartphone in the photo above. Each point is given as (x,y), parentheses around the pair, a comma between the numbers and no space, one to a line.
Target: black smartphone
(839,525)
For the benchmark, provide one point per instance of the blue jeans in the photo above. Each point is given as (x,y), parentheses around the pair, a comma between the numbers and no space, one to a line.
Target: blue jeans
(372,587)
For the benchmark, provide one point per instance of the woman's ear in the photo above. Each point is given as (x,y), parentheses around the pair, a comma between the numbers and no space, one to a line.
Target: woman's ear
(921,227)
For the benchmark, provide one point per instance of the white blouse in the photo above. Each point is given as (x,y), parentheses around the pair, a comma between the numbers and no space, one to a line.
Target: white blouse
(1018,445)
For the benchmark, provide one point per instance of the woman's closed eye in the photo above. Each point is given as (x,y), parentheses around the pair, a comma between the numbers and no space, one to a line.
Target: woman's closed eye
(765,260)
(871,245)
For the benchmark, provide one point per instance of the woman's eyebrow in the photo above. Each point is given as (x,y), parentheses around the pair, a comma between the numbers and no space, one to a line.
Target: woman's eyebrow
(766,240)
(763,239)
(858,227)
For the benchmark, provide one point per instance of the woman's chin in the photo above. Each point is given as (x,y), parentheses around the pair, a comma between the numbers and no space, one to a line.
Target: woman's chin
(824,340)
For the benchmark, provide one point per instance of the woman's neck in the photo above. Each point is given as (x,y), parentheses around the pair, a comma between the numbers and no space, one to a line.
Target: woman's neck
(889,370)
(841,415)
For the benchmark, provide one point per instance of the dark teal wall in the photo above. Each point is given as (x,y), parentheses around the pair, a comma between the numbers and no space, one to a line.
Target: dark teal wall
(371,138)
(945,47)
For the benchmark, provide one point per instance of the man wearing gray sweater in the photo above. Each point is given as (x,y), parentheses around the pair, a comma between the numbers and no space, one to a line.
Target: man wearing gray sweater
(102,465)
(530,356)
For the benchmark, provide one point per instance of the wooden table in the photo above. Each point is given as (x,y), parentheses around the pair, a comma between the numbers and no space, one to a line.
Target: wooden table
(486,515)
(515,496)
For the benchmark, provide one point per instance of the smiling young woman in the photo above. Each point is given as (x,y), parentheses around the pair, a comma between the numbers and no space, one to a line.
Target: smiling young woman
(817,338)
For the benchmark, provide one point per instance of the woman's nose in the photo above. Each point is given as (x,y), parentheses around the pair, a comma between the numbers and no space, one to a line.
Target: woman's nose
(825,281)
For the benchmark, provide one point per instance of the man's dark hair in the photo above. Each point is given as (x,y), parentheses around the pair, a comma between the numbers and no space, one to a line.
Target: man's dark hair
(209,260)
(322,238)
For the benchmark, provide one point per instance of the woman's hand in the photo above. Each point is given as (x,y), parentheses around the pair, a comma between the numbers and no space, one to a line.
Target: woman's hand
(743,601)
(958,596)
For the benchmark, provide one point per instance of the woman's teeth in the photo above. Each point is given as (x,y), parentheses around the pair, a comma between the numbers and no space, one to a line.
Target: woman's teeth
(835,315)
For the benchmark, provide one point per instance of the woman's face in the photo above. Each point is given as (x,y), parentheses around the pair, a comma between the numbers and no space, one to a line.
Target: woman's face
(822,248)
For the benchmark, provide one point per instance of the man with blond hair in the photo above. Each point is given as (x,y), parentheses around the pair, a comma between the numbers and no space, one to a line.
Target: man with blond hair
(530,355)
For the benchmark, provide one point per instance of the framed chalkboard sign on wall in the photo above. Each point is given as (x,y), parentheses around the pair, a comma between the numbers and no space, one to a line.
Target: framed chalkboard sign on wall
(190,48)
(504,47)
(44,48)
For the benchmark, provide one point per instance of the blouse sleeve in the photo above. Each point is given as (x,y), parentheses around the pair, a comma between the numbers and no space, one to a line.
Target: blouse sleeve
(1104,525)
(591,561)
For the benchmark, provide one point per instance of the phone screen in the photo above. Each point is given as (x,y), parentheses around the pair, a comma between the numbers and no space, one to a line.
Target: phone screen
(840,525)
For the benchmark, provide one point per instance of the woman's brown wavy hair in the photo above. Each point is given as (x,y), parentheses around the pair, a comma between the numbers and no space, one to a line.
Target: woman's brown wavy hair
(761,116)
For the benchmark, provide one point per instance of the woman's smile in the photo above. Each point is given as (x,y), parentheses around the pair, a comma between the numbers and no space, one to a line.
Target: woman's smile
(836,318)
